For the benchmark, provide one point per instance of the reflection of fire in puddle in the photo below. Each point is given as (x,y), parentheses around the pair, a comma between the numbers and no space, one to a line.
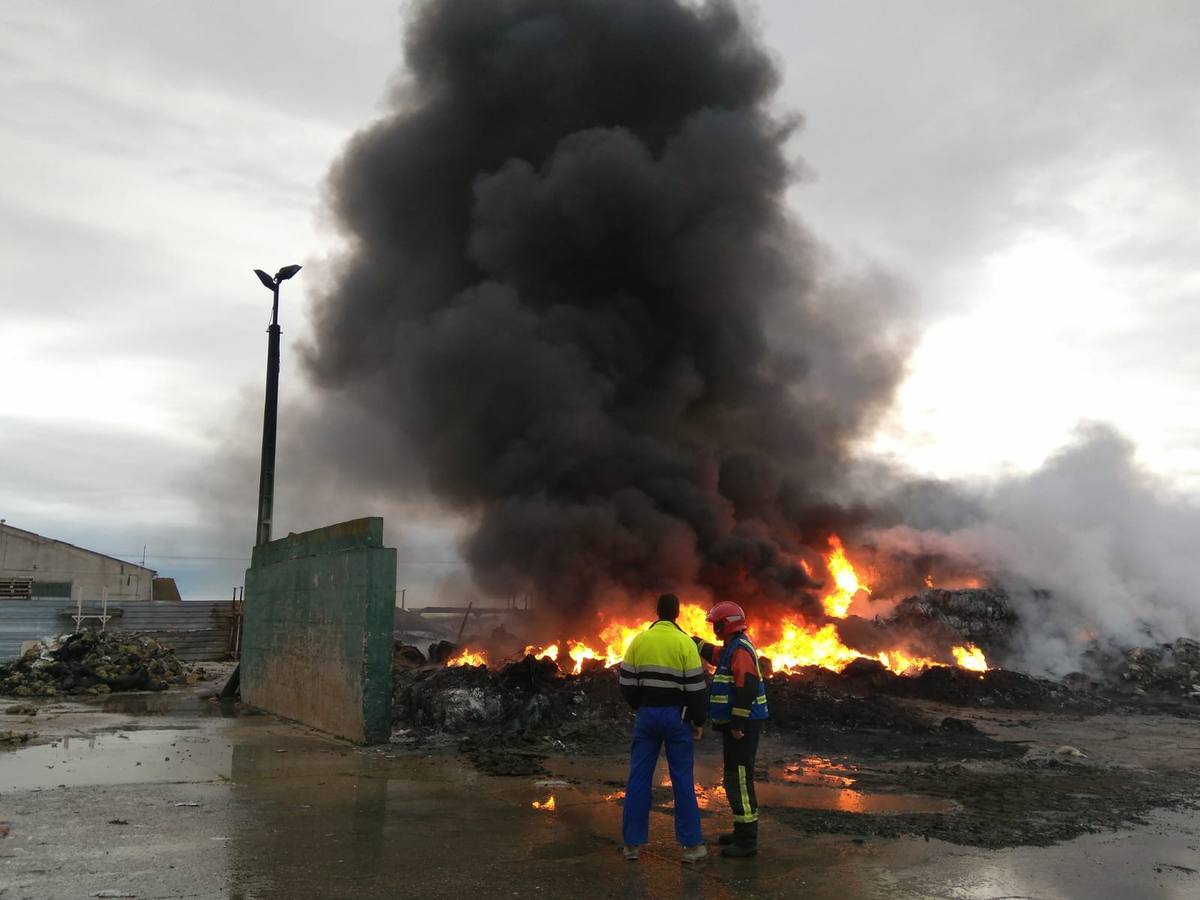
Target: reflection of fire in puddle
(812,782)
(818,770)
(546,805)
(705,796)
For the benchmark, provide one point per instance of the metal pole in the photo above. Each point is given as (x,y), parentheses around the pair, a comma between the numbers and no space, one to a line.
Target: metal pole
(266,478)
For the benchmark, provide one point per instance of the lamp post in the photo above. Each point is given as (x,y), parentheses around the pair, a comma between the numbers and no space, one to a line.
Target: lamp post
(266,477)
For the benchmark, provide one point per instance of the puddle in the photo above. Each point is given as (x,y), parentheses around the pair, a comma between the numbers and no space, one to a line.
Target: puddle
(812,782)
(816,770)
(164,703)
(157,754)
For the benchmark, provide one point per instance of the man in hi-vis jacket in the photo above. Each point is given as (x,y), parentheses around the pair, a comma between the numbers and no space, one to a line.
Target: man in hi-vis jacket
(662,678)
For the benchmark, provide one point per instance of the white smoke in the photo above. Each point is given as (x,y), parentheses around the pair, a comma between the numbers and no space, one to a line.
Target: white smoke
(1117,550)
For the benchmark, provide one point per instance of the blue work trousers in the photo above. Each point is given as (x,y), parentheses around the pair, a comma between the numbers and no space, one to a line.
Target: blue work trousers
(654,727)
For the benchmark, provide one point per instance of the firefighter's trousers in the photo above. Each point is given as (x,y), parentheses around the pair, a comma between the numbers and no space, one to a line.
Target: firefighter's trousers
(739,774)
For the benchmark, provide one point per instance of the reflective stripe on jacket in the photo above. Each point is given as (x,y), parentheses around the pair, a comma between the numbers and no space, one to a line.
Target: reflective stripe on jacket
(721,699)
(662,668)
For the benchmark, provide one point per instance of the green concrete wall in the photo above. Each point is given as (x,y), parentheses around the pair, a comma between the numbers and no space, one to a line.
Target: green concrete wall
(317,640)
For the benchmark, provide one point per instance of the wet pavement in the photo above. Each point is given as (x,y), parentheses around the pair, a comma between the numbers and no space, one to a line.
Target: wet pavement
(168,795)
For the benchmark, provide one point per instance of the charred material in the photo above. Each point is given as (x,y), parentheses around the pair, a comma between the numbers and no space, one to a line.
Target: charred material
(983,616)
(529,699)
(1163,670)
(94,662)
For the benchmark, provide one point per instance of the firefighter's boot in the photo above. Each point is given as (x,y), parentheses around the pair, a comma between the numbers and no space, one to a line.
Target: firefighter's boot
(745,841)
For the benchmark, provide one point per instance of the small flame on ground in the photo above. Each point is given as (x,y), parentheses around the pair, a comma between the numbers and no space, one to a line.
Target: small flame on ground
(928,581)
(547,806)
(468,658)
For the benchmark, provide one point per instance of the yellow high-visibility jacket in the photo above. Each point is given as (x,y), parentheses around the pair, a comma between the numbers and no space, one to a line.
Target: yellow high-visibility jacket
(662,667)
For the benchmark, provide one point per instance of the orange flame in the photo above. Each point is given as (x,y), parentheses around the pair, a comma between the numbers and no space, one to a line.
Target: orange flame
(837,602)
(547,806)
(469,658)
(550,653)
(794,644)
(970,657)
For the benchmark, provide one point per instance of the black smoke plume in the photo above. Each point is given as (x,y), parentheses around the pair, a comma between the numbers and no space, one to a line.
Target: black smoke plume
(573,288)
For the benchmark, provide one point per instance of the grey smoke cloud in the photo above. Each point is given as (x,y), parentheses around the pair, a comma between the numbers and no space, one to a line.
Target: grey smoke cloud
(572,289)
(1114,546)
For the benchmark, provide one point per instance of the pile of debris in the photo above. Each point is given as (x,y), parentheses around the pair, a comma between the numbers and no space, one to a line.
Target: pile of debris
(995,688)
(1171,670)
(507,720)
(526,699)
(983,616)
(93,662)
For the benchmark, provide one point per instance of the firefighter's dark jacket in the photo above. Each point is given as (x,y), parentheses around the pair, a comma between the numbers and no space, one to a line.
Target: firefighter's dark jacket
(662,667)
(745,677)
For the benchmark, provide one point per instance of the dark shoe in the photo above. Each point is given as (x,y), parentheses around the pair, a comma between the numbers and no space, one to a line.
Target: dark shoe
(739,851)
(726,840)
(744,841)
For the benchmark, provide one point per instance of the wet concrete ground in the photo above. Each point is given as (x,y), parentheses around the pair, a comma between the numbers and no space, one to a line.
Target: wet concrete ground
(168,795)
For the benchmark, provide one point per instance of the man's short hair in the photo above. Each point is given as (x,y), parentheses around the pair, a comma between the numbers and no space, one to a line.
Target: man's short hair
(668,607)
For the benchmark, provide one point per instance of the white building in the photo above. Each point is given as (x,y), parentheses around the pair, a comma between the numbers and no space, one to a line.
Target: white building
(36,566)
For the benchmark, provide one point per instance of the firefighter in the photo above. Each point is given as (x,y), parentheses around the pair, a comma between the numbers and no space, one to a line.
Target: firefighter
(662,678)
(737,705)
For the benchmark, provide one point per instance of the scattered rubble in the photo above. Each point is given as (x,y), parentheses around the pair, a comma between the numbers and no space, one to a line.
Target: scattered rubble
(528,698)
(15,738)
(94,662)
(1164,670)
(506,721)
(996,688)
(21,709)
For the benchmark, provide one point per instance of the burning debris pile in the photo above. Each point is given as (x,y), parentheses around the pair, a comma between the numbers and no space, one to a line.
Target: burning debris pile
(507,720)
(93,662)
(982,616)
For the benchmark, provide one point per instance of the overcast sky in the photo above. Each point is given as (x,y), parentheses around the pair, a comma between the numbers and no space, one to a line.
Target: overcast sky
(1031,170)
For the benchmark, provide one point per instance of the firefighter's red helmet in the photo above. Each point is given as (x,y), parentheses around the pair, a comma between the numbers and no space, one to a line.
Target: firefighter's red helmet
(727,618)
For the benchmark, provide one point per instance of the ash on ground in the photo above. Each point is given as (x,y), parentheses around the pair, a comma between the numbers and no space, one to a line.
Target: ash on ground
(94,662)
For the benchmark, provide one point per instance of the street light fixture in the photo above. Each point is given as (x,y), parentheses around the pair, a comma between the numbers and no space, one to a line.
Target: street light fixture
(266,478)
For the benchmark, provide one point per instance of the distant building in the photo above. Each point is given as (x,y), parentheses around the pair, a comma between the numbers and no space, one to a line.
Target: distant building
(35,566)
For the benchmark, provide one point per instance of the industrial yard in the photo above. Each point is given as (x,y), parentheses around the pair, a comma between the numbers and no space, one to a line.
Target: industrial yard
(157,795)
